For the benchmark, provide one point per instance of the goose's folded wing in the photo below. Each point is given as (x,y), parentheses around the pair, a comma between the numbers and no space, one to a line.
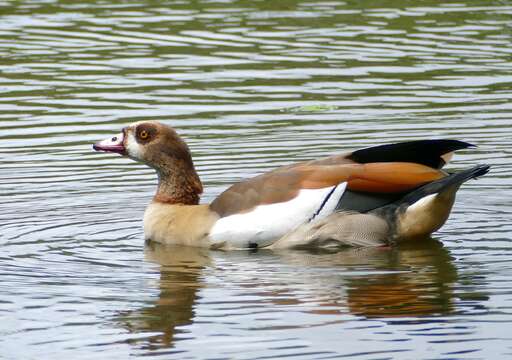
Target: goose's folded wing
(285,184)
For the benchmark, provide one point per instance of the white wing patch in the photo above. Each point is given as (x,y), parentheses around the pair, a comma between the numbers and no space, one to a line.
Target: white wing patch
(265,224)
(424,201)
(332,201)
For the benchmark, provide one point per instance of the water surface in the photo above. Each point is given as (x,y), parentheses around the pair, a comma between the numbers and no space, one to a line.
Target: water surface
(251,85)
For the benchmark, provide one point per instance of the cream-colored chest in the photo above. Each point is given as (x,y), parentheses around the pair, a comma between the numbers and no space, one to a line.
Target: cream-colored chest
(178,224)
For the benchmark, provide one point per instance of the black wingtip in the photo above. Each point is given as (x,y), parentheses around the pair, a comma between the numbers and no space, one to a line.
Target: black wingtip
(439,185)
(454,144)
(480,170)
(425,152)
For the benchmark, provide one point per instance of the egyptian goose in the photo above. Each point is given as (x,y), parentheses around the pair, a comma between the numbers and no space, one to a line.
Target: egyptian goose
(370,197)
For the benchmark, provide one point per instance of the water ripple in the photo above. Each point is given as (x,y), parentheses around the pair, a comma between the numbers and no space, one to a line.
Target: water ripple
(251,86)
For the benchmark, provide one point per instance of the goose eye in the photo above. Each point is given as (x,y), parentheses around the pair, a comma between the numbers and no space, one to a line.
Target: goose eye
(143,134)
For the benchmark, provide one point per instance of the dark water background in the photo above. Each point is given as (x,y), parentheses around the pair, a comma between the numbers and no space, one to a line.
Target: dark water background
(251,85)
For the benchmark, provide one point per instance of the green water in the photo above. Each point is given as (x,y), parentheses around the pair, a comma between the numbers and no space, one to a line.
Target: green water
(250,85)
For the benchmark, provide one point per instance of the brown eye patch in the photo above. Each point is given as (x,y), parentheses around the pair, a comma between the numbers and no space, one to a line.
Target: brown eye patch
(145,133)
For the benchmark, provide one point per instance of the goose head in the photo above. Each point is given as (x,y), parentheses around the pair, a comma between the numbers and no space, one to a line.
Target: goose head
(160,147)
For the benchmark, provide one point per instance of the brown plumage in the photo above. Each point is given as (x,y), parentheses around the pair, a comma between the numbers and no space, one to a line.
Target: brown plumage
(170,156)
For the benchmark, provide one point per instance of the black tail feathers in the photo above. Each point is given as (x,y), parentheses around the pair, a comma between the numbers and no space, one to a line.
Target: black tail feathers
(444,183)
(425,152)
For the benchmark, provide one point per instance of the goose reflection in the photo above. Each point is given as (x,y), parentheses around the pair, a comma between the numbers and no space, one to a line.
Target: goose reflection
(180,280)
(409,281)
(423,288)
